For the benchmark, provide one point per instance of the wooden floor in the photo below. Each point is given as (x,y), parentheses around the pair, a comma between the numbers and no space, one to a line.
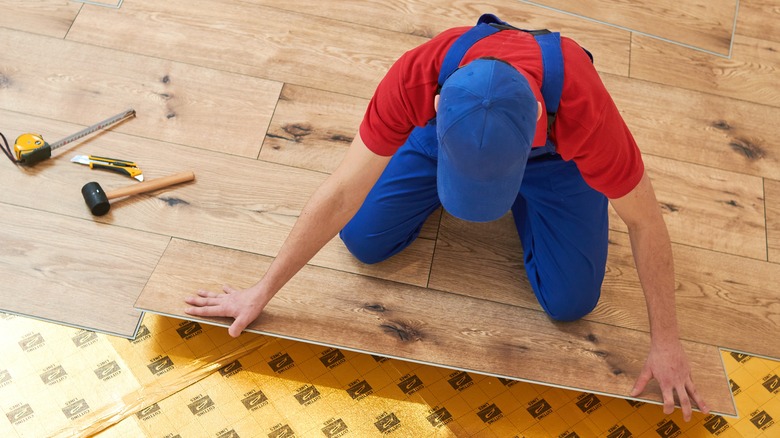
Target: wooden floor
(261,98)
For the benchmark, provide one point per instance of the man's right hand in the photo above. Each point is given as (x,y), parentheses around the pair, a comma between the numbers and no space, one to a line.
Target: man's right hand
(242,305)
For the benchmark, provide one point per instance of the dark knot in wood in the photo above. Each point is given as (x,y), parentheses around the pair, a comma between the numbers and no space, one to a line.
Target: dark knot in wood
(749,150)
(297,130)
(670,207)
(174,201)
(721,124)
(403,331)
(375,308)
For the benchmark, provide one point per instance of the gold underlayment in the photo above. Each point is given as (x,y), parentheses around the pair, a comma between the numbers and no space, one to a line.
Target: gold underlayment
(181,378)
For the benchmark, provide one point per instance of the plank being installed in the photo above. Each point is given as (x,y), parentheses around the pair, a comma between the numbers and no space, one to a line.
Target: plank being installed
(364,314)
(75,272)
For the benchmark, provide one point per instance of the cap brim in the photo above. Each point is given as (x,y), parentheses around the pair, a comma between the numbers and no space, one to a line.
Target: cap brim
(472,200)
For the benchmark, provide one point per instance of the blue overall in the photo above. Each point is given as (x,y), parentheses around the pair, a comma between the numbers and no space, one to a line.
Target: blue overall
(562,222)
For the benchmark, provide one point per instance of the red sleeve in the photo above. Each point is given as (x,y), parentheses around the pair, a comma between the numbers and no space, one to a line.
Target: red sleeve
(404,97)
(590,130)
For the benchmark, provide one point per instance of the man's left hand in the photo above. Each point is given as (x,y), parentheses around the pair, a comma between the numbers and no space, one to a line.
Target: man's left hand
(668,364)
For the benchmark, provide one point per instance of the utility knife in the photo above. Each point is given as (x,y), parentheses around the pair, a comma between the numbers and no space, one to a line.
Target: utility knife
(124,167)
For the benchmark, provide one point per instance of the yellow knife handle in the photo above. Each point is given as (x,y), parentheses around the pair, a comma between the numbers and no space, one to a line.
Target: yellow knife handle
(132,172)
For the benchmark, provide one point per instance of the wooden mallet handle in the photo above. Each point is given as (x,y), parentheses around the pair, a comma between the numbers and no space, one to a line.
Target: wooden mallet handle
(152,184)
(97,199)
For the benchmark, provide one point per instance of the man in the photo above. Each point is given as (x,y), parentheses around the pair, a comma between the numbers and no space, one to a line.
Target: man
(475,142)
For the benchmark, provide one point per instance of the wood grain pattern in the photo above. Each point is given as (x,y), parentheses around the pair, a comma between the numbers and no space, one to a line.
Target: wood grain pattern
(312,129)
(758,19)
(252,39)
(235,202)
(772,190)
(699,23)
(214,81)
(708,208)
(364,314)
(48,17)
(77,272)
(725,133)
(721,299)
(750,74)
(426,18)
(174,102)
(729,301)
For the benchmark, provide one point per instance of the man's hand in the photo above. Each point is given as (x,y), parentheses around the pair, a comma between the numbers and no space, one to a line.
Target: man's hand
(243,305)
(669,365)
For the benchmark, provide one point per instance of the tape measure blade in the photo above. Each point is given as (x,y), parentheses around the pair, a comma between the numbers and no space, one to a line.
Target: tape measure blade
(90,129)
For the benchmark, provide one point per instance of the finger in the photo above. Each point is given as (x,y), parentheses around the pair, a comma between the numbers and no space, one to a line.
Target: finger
(228,289)
(668,396)
(685,403)
(237,327)
(641,382)
(202,294)
(201,301)
(206,311)
(207,294)
(691,388)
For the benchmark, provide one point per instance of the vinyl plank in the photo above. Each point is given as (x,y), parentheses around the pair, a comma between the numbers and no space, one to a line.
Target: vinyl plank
(426,18)
(722,299)
(703,207)
(44,17)
(699,127)
(174,102)
(74,272)
(250,39)
(708,208)
(385,318)
(758,19)
(750,74)
(702,24)
(235,202)
(725,300)
(312,129)
(772,188)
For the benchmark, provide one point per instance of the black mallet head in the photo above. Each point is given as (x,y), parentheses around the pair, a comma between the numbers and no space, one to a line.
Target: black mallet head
(96,198)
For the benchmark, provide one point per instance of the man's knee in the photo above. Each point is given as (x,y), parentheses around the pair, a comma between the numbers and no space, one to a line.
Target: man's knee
(570,302)
(362,247)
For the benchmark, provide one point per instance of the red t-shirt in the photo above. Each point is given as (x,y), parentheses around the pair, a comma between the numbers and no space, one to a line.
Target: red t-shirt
(588,127)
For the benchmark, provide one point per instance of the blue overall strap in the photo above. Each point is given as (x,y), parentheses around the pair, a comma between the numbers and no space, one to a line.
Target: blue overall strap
(552,79)
(464,42)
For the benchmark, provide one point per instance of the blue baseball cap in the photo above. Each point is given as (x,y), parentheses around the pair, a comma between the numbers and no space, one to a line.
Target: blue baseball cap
(485,123)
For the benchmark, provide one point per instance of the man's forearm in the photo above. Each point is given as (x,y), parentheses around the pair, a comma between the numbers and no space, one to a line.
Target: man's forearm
(652,251)
(330,208)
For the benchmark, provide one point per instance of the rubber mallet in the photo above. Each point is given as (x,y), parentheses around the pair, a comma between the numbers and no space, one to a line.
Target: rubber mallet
(97,199)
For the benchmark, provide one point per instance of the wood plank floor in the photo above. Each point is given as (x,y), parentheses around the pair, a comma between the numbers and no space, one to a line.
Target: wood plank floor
(81,273)
(261,98)
(706,25)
